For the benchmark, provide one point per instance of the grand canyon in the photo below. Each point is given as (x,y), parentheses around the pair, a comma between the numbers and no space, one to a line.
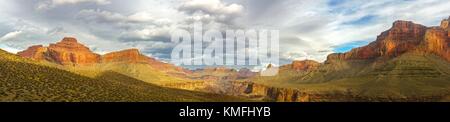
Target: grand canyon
(408,62)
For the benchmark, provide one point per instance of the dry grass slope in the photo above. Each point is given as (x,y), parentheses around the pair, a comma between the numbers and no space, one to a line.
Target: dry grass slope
(21,80)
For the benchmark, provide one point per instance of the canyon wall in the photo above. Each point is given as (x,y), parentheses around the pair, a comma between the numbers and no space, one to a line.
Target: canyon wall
(274,94)
(254,91)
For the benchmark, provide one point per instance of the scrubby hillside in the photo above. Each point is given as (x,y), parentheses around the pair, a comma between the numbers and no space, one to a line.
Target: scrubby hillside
(21,80)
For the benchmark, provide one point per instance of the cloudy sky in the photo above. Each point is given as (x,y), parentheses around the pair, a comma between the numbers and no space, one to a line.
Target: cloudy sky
(309,29)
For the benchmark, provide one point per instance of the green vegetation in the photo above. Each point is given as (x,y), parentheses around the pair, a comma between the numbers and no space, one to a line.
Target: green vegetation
(140,71)
(21,80)
(409,75)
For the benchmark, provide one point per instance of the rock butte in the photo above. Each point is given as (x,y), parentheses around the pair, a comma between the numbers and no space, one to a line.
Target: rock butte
(404,36)
(129,55)
(304,65)
(70,52)
(66,52)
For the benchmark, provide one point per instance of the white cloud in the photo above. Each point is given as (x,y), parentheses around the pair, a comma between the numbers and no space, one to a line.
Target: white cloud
(101,16)
(309,29)
(48,4)
(62,2)
(211,7)
(139,26)
(212,11)
(9,49)
(315,27)
(10,36)
(141,17)
(149,33)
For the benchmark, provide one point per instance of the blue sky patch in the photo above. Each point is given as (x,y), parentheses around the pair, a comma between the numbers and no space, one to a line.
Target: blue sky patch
(348,46)
(335,2)
(363,20)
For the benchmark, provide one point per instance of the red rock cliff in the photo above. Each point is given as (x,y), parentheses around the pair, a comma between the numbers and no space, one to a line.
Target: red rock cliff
(437,42)
(66,52)
(129,56)
(404,36)
(69,51)
(305,65)
(36,52)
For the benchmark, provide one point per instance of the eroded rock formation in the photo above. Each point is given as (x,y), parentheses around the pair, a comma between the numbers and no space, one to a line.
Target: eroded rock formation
(304,65)
(127,56)
(404,36)
(66,52)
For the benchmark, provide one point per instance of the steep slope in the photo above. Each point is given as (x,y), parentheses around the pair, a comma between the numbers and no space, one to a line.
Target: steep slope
(66,52)
(70,55)
(408,60)
(24,81)
(130,56)
(404,37)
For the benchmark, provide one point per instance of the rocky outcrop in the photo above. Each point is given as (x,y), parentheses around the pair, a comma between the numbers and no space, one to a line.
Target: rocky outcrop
(127,56)
(445,24)
(258,91)
(66,52)
(266,93)
(437,42)
(70,52)
(134,56)
(195,86)
(305,65)
(255,91)
(404,36)
(34,52)
(217,70)
(245,73)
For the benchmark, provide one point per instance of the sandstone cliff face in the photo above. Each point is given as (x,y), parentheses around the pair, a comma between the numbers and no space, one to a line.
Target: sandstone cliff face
(36,52)
(445,24)
(258,91)
(134,56)
(437,42)
(267,93)
(254,91)
(404,36)
(69,51)
(66,52)
(304,65)
(127,56)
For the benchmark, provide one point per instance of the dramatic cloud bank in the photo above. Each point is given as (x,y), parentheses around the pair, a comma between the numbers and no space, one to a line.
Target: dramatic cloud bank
(309,29)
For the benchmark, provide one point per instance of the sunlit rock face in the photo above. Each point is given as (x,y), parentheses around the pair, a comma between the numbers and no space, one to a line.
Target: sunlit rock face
(66,52)
(36,52)
(403,36)
(304,65)
(437,42)
(129,55)
(445,24)
(69,51)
